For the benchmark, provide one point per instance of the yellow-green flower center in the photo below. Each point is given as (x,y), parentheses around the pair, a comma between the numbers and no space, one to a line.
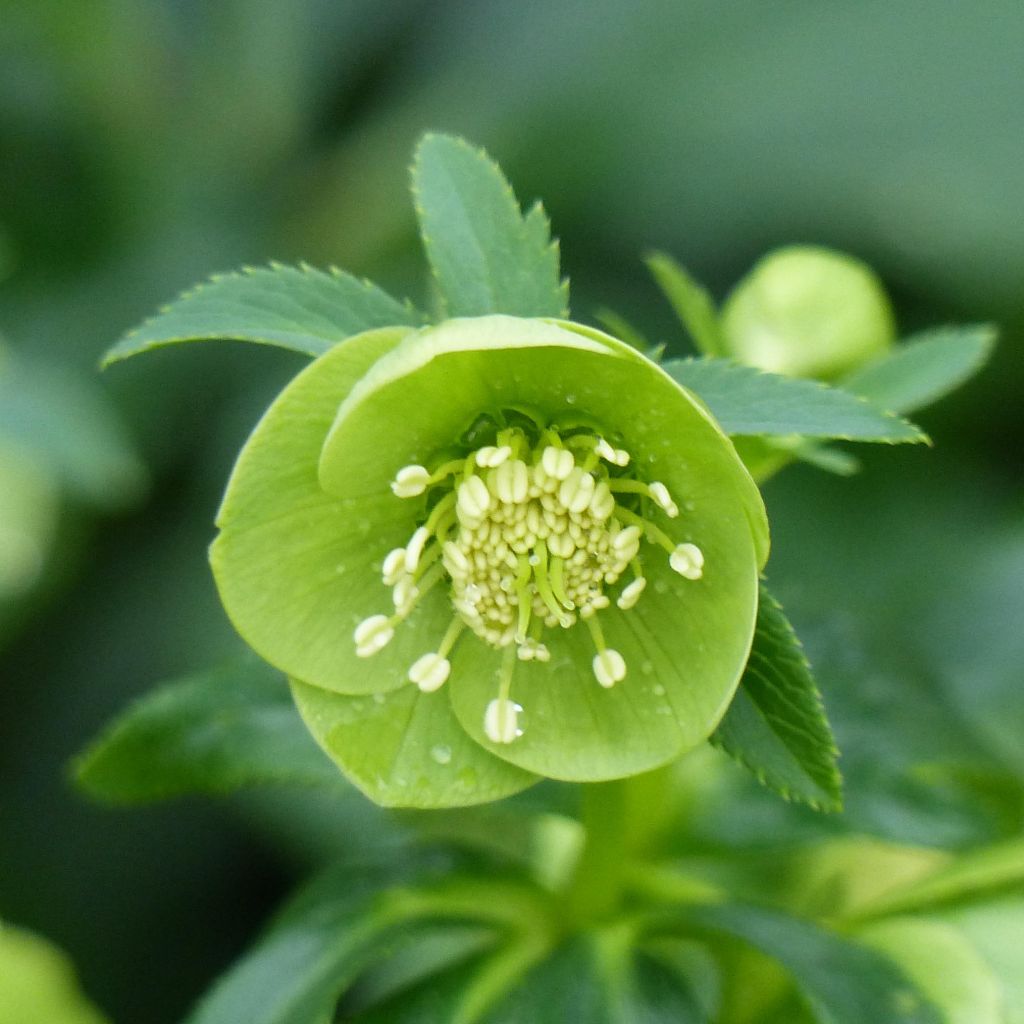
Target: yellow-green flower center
(531,534)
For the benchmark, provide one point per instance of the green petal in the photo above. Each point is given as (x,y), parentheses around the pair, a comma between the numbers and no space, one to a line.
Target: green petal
(686,642)
(297,568)
(405,748)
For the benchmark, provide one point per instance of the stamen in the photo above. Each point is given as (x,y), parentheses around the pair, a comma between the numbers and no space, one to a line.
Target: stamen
(404,595)
(474,499)
(491,457)
(631,593)
(609,666)
(540,577)
(410,481)
(415,548)
(393,567)
(501,715)
(661,498)
(556,578)
(576,491)
(557,462)
(373,634)
(688,561)
(501,721)
(430,672)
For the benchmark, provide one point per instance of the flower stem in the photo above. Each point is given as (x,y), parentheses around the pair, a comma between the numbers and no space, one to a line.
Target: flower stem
(621,819)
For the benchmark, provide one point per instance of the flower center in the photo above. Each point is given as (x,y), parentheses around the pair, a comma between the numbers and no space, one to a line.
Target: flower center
(531,534)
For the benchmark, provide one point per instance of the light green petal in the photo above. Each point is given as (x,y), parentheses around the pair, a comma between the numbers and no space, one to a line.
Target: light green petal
(405,748)
(297,568)
(686,642)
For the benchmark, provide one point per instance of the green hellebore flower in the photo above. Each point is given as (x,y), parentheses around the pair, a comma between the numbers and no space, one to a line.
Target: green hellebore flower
(808,311)
(491,550)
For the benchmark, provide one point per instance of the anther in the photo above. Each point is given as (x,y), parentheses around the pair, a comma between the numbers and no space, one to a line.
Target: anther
(393,567)
(410,481)
(609,667)
(631,593)
(474,499)
(688,561)
(661,498)
(404,595)
(576,491)
(430,672)
(558,463)
(372,634)
(415,548)
(491,456)
(501,720)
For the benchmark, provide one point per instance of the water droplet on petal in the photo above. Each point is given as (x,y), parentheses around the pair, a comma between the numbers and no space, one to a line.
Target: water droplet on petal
(647,667)
(379,698)
(441,754)
(570,399)
(658,690)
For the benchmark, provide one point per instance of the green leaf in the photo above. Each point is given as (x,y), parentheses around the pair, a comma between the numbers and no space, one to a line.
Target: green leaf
(938,958)
(594,978)
(973,876)
(353,920)
(298,308)
(843,982)
(924,368)
(776,724)
(692,303)
(212,732)
(486,256)
(748,401)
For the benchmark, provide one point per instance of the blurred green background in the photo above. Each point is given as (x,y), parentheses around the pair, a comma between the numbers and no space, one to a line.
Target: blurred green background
(144,145)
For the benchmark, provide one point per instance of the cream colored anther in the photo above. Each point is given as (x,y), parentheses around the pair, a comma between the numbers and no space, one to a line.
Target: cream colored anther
(558,463)
(631,593)
(414,549)
(661,497)
(609,668)
(490,456)
(372,634)
(501,720)
(410,481)
(511,481)
(474,499)
(393,567)
(430,672)
(688,561)
(576,491)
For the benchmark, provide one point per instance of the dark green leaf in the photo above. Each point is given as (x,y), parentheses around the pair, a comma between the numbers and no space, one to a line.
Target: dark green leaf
(842,981)
(776,724)
(593,979)
(692,303)
(297,308)
(213,732)
(486,256)
(924,368)
(748,401)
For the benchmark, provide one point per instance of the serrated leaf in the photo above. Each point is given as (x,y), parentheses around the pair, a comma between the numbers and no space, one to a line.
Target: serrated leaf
(486,256)
(924,368)
(776,724)
(213,732)
(298,308)
(842,981)
(691,302)
(747,401)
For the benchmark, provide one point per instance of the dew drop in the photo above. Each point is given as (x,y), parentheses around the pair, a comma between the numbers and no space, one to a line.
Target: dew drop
(647,668)
(379,698)
(661,586)
(658,690)
(441,754)
(340,568)
(570,399)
